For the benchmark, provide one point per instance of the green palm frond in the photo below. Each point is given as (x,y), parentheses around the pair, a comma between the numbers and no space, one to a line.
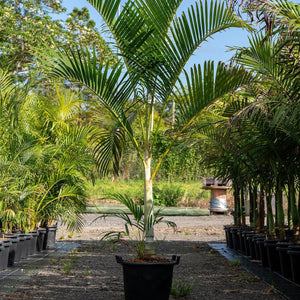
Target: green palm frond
(108,147)
(205,86)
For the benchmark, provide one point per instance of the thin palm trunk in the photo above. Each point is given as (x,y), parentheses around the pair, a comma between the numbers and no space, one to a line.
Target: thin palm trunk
(261,215)
(294,216)
(148,207)
(237,205)
(270,219)
(279,205)
(243,212)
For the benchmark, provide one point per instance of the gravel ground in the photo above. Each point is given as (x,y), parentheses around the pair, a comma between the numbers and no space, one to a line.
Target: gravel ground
(92,273)
(204,229)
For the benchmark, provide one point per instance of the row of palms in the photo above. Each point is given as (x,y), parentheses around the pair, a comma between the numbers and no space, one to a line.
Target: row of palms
(256,145)
(44,158)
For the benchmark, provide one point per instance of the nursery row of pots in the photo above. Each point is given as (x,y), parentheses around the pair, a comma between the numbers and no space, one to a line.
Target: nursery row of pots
(279,255)
(14,247)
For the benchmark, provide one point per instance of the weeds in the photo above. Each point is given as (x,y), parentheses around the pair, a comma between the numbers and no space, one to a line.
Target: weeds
(235,263)
(181,289)
(71,235)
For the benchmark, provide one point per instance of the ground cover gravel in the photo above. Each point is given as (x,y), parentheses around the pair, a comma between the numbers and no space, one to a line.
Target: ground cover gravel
(91,272)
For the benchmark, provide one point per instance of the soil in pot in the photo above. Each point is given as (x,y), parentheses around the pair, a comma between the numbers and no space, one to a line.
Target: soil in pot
(147,280)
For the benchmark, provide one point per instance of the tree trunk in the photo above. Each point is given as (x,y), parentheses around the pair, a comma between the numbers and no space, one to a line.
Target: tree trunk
(270,219)
(279,205)
(261,216)
(148,209)
(294,221)
(237,205)
(243,211)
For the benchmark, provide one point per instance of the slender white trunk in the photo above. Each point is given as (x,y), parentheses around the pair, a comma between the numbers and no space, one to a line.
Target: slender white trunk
(148,207)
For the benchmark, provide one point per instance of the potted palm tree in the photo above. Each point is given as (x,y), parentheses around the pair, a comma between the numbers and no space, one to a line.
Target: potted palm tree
(141,273)
(153,46)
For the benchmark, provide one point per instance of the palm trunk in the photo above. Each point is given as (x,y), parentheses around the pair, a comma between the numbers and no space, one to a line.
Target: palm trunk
(243,212)
(279,205)
(270,219)
(237,205)
(294,221)
(261,216)
(148,208)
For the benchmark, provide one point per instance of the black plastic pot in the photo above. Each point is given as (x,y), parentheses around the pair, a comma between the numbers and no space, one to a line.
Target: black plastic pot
(256,246)
(251,244)
(263,253)
(12,252)
(284,259)
(22,247)
(246,243)
(235,238)
(3,257)
(294,253)
(49,241)
(240,233)
(33,242)
(14,249)
(229,242)
(6,246)
(26,246)
(148,281)
(40,239)
(273,255)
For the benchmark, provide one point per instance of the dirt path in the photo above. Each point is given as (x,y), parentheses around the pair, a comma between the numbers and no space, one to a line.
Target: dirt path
(92,272)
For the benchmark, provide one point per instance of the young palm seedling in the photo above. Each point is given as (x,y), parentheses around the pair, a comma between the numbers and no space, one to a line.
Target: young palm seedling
(135,226)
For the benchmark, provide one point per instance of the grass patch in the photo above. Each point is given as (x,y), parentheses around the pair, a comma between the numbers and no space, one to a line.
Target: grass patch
(181,289)
(190,194)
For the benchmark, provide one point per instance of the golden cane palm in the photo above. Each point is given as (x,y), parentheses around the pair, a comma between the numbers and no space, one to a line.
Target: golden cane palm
(154,45)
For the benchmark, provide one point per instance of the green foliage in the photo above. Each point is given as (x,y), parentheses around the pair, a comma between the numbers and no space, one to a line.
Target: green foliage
(31,24)
(168,195)
(190,192)
(182,288)
(136,226)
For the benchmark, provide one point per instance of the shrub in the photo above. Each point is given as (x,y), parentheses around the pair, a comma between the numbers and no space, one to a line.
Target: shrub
(168,195)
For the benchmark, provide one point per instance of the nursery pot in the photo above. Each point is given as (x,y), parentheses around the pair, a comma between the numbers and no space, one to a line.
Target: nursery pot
(256,246)
(40,239)
(49,241)
(14,250)
(235,238)
(263,253)
(33,242)
(246,243)
(3,256)
(147,281)
(273,255)
(241,240)
(294,253)
(284,258)
(26,245)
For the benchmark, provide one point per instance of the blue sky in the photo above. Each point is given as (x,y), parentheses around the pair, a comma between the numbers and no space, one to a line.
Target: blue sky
(214,49)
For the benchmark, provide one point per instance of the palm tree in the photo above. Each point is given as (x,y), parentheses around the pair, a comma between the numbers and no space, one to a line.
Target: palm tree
(155,45)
